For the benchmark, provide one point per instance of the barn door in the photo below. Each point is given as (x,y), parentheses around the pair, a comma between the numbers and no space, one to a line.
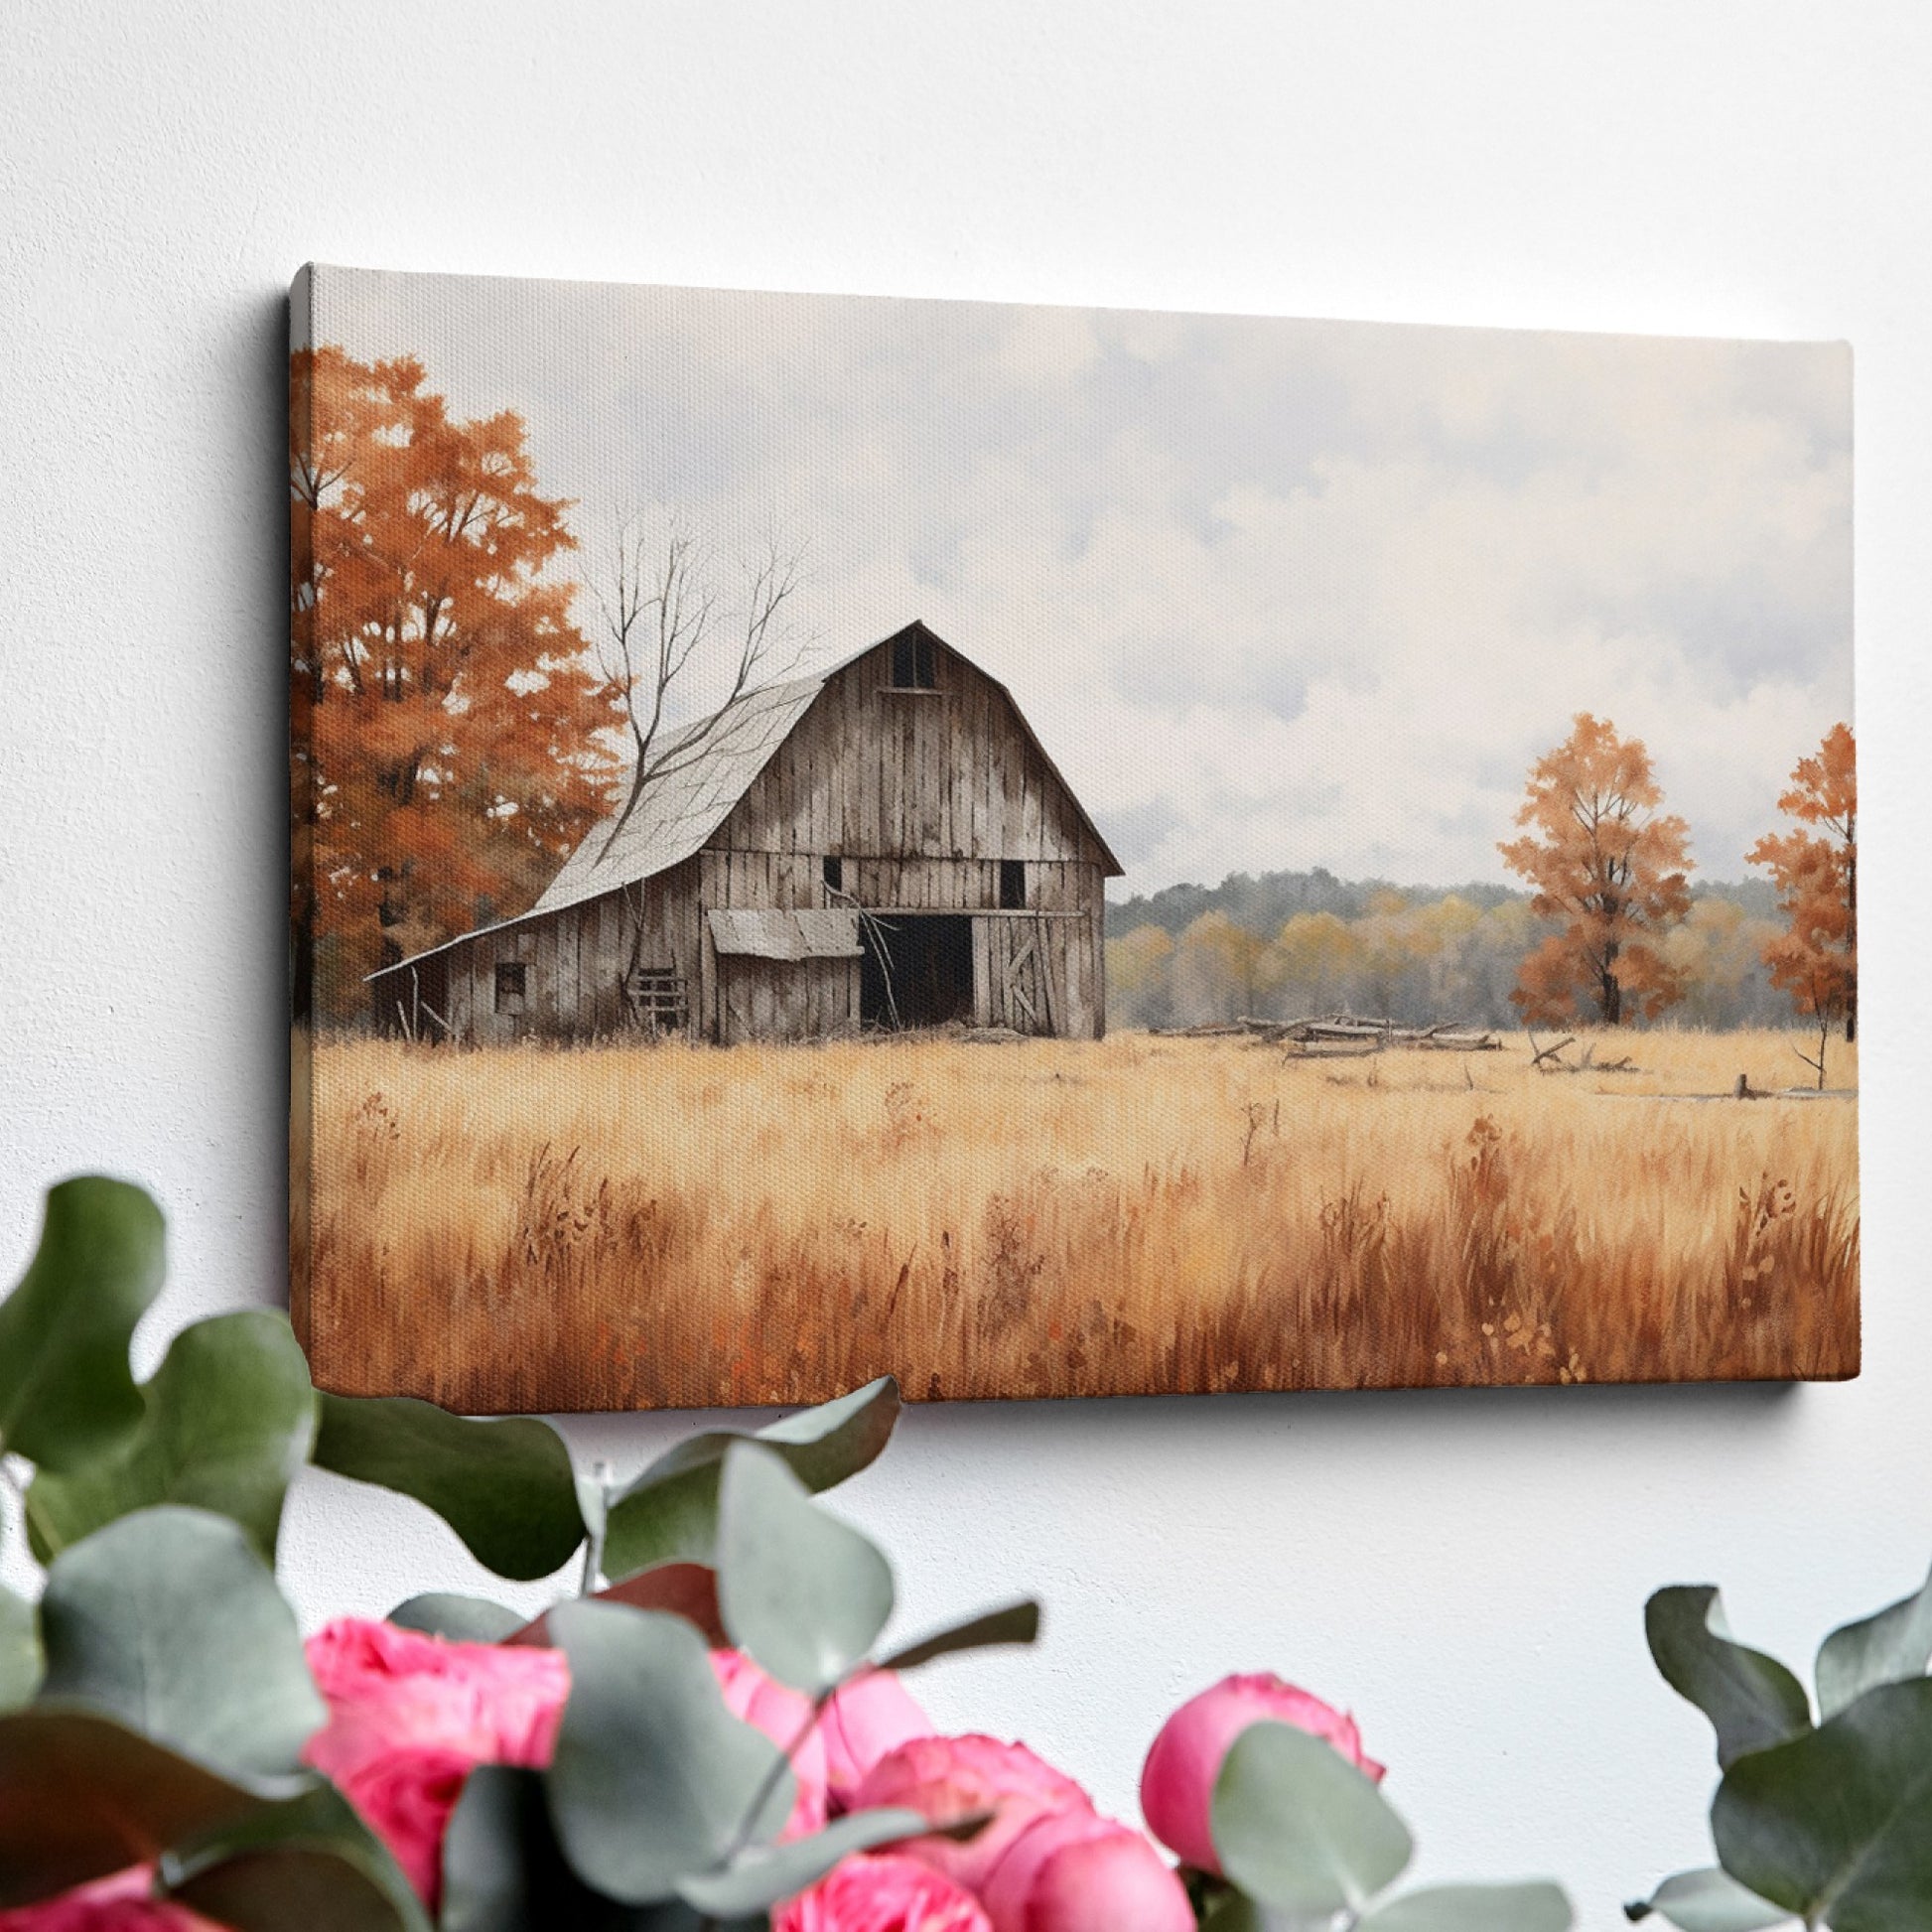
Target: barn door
(1022,978)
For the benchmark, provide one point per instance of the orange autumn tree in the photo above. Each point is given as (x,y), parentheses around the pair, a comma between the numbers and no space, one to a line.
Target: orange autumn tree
(1816,958)
(1610,865)
(445,715)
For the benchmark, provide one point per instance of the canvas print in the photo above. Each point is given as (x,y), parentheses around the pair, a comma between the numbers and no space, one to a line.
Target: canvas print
(1060,852)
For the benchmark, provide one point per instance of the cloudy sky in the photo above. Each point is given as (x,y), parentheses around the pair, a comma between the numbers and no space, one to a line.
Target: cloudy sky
(1274,594)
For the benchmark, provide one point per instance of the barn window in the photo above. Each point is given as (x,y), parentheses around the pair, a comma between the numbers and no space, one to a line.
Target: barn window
(833,868)
(510,986)
(1013,885)
(912,661)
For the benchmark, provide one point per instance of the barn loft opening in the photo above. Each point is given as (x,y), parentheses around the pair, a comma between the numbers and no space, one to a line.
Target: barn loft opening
(912,661)
(1013,885)
(917,971)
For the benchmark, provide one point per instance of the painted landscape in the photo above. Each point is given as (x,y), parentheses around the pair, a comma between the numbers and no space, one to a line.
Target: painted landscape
(1059,852)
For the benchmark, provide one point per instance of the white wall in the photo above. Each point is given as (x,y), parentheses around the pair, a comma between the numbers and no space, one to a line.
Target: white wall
(1465,1570)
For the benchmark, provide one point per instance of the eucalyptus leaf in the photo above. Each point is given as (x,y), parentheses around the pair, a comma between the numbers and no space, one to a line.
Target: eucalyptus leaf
(1299,1827)
(1836,1826)
(1751,1700)
(1014,1623)
(761,1875)
(82,1796)
(1709,1901)
(308,1864)
(1531,1905)
(226,1424)
(801,1593)
(669,1513)
(463,1619)
(505,1487)
(1893,1645)
(20,1649)
(686,1589)
(66,1393)
(504,1871)
(1234,1912)
(653,1779)
(168,1622)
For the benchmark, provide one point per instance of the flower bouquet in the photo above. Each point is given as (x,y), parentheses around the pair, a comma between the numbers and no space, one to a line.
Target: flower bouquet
(711,1733)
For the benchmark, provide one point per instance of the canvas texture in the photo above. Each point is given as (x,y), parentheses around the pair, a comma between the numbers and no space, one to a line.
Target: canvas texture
(1061,853)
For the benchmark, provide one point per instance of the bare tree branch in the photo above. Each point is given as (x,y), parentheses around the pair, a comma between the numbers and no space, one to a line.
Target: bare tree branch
(665,615)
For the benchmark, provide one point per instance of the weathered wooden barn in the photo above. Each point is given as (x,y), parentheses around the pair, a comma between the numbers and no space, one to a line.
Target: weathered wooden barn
(885,845)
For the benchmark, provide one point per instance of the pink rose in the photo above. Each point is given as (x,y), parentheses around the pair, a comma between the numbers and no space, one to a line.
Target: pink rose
(948,1778)
(124,1902)
(881,1893)
(861,1721)
(1073,1872)
(783,1714)
(409,1714)
(1177,1780)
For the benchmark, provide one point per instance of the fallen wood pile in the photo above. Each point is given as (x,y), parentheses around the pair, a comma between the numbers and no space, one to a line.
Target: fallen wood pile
(1342,1035)
(1549,1059)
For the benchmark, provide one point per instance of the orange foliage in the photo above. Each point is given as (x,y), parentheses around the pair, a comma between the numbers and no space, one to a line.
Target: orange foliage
(1606,861)
(1816,960)
(444,716)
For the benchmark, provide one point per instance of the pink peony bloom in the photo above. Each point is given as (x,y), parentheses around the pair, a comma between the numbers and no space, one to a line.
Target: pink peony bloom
(409,1714)
(781,1713)
(1178,1781)
(860,1722)
(948,1778)
(1068,1873)
(121,1904)
(881,1893)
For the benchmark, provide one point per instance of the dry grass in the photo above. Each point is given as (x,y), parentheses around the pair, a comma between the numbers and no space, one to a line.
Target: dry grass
(625,1227)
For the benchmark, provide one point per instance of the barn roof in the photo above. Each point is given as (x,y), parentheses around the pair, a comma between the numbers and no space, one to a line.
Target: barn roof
(707,768)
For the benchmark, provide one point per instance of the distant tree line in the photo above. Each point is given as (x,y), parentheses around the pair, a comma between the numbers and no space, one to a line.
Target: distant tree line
(1612,931)
(1195,955)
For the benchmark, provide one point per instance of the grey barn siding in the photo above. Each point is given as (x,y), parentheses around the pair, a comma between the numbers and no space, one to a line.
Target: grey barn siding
(919,795)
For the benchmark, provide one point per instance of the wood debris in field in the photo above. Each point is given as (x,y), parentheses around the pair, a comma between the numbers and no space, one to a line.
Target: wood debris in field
(1341,1035)
(1549,1059)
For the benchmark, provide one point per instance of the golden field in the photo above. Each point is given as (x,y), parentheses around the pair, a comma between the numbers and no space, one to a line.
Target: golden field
(640,1226)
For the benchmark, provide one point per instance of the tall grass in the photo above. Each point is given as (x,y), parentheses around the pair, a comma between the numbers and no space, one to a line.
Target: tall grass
(627,1228)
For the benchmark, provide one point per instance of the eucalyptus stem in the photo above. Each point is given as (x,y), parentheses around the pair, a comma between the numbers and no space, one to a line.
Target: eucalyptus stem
(601,1473)
(769,1782)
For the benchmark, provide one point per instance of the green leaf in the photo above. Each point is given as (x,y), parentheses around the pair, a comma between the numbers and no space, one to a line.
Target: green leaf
(20,1649)
(801,1594)
(653,1779)
(1014,1623)
(225,1425)
(686,1589)
(308,1864)
(1233,1912)
(761,1875)
(1836,1826)
(505,1487)
(1532,1905)
(1299,1827)
(82,1796)
(463,1619)
(504,1871)
(1709,1901)
(669,1514)
(1751,1700)
(1888,1648)
(168,1621)
(66,1391)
